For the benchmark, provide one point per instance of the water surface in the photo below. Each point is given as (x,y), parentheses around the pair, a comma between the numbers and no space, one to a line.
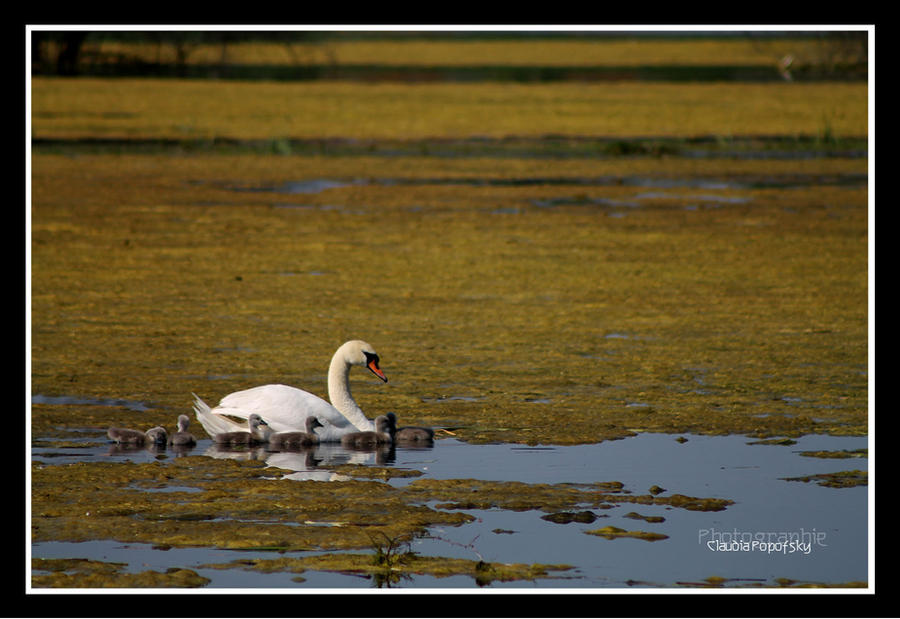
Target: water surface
(766,507)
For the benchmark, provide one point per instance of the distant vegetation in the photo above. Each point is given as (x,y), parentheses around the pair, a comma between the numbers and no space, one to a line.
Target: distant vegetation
(459,56)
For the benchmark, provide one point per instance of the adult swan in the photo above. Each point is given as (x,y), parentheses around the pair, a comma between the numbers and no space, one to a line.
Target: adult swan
(285,408)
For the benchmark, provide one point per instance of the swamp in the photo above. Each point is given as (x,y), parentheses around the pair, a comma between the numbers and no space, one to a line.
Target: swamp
(632,303)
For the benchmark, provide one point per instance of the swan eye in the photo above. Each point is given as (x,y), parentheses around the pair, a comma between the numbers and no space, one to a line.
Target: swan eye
(371,358)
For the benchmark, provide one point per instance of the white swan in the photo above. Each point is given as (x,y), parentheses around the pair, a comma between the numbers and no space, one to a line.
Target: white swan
(285,408)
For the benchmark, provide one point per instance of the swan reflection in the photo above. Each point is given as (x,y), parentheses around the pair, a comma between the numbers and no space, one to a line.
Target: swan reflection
(310,462)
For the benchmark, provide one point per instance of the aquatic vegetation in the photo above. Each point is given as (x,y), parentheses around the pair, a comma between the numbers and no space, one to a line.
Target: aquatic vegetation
(841,479)
(843,453)
(637,516)
(611,532)
(789,582)
(159,108)
(774,441)
(240,504)
(482,572)
(461,494)
(567,517)
(86,573)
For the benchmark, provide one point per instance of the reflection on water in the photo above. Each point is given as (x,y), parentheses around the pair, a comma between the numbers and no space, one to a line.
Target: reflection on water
(310,463)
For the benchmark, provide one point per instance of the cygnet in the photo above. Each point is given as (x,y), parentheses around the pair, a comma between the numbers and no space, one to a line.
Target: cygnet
(410,433)
(381,435)
(182,436)
(259,433)
(127,436)
(283,440)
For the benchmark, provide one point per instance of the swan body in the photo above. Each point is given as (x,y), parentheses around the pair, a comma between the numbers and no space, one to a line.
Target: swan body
(410,433)
(281,440)
(381,435)
(286,409)
(181,435)
(259,433)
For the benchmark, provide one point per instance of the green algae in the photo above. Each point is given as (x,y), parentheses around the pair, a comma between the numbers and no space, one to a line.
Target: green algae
(791,583)
(404,565)
(383,473)
(841,479)
(514,311)
(459,494)
(88,573)
(840,453)
(612,532)
(567,517)
(235,504)
(637,516)
(774,441)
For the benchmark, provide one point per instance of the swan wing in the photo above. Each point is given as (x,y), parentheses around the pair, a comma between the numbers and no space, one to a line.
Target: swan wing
(212,422)
(284,408)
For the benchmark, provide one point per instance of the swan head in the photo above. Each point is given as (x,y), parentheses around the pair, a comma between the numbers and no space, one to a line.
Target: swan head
(183,422)
(357,352)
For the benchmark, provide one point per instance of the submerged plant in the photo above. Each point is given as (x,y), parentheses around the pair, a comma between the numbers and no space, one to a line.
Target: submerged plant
(388,554)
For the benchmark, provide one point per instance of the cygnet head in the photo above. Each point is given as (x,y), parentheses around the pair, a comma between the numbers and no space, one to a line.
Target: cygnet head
(183,422)
(157,435)
(312,423)
(258,426)
(383,424)
(357,352)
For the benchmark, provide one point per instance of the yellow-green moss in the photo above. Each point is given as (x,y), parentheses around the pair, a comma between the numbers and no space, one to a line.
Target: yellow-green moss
(403,565)
(611,532)
(152,279)
(85,573)
(841,479)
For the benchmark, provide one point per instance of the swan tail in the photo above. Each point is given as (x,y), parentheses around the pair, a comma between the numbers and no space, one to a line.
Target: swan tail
(211,422)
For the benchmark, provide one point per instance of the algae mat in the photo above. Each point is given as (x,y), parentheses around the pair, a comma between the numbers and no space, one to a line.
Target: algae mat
(711,297)
(88,108)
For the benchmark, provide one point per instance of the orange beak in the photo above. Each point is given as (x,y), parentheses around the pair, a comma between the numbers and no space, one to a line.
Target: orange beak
(373,366)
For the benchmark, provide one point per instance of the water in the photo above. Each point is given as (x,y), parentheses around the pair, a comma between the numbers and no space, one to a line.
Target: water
(833,520)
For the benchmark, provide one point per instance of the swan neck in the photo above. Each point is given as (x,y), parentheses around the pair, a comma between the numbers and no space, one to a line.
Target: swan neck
(339,392)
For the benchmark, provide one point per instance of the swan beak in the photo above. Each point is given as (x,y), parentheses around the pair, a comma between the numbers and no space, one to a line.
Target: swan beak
(373,366)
